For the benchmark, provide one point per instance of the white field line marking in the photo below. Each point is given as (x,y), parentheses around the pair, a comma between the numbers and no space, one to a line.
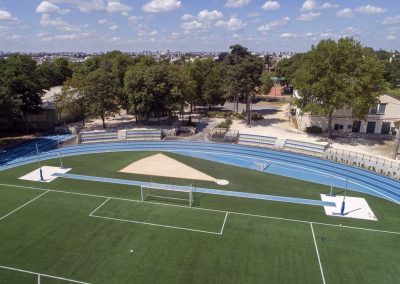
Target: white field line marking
(41,274)
(214,210)
(38,279)
(98,207)
(356,228)
(269,217)
(223,225)
(15,210)
(115,198)
(157,225)
(316,249)
(145,223)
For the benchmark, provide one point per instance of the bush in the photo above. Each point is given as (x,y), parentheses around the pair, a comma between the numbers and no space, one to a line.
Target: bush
(256,116)
(226,124)
(314,129)
(240,115)
(219,114)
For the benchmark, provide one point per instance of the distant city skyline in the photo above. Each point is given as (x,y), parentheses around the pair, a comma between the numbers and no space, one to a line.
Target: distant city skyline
(183,25)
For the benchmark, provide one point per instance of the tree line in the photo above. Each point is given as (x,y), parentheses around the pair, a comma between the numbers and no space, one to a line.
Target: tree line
(144,87)
(332,75)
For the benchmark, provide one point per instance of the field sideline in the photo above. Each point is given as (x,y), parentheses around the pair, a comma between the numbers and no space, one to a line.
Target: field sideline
(101,233)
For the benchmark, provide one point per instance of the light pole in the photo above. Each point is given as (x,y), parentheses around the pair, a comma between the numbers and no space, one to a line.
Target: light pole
(40,167)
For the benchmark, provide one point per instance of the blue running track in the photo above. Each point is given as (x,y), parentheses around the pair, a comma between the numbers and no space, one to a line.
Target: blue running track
(280,163)
(200,190)
(28,148)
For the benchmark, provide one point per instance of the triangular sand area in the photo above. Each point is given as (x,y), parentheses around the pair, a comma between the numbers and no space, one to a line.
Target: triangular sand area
(164,166)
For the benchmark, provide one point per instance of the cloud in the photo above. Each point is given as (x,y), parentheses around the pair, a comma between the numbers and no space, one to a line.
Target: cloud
(187,17)
(203,20)
(85,5)
(369,9)
(391,37)
(309,16)
(351,31)
(288,35)
(57,23)
(345,13)
(328,5)
(392,20)
(209,16)
(6,16)
(236,3)
(46,7)
(118,7)
(104,22)
(271,5)
(310,5)
(233,24)
(274,24)
(157,6)
(192,25)
(113,27)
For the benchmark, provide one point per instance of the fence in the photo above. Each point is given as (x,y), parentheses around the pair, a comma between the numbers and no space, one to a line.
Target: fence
(119,135)
(377,164)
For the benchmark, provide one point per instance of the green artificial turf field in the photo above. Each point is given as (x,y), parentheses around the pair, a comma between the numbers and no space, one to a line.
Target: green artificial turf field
(101,233)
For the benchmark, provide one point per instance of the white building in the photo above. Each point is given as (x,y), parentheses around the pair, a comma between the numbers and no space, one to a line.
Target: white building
(380,119)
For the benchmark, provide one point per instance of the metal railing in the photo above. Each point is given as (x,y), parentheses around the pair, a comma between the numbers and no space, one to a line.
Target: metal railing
(365,157)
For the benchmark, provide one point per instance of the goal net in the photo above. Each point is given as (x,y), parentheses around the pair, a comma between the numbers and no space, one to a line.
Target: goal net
(168,193)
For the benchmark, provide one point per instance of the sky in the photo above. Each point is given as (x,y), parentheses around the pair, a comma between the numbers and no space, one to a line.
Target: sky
(194,25)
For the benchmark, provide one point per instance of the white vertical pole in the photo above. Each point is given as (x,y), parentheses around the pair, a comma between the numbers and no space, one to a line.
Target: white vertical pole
(40,167)
(330,194)
(59,155)
(141,192)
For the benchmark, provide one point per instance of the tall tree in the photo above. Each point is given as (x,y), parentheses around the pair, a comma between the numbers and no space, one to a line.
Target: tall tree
(214,93)
(72,101)
(267,82)
(22,85)
(244,76)
(336,75)
(101,92)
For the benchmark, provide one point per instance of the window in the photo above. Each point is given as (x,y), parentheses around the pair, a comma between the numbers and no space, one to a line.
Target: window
(373,110)
(381,108)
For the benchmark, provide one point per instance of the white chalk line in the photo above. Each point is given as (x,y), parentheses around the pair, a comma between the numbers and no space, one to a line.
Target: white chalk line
(196,208)
(316,249)
(154,224)
(42,274)
(23,205)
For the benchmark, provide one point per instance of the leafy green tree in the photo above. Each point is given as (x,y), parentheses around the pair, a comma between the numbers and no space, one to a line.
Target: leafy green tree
(336,75)
(392,71)
(101,93)
(72,101)
(148,88)
(214,93)
(288,66)
(21,87)
(267,82)
(244,76)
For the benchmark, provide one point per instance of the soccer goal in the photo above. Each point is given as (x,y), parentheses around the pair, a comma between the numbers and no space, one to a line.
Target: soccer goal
(168,193)
(263,166)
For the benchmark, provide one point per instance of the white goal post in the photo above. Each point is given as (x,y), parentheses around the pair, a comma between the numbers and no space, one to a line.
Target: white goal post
(168,193)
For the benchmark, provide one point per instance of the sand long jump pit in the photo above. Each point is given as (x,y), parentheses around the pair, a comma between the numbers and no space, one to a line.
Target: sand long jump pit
(164,166)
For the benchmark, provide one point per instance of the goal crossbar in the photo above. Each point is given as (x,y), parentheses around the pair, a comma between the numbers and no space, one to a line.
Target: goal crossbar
(168,193)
